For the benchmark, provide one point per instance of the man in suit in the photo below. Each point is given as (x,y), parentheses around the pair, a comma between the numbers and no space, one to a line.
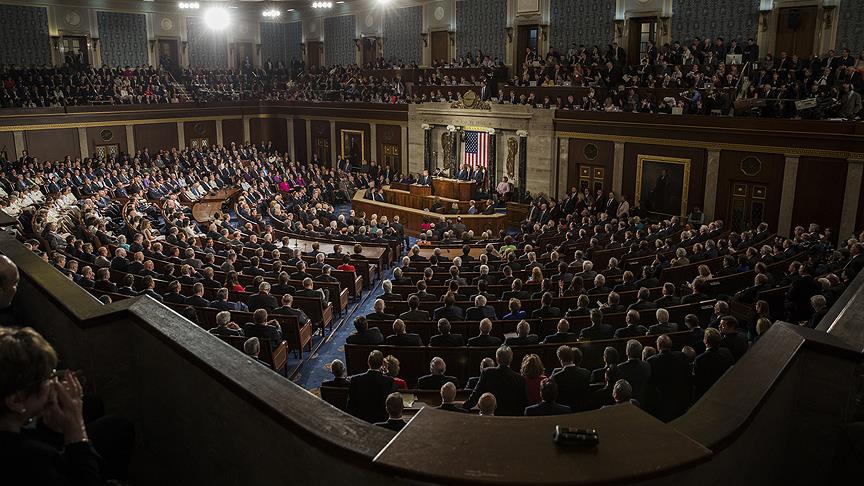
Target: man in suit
(572,380)
(633,328)
(598,329)
(669,298)
(643,301)
(548,405)
(222,302)
(484,339)
(286,309)
(444,338)
(393,404)
(696,335)
(506,385)
(733,340)
(388,294)
(263,328)
(546,309)
(225,326)
(480,310)
(308,291)
(369,391)
(402,338)
(663,325)
(363,334)
(563,334)
(337,368)
(668,393)
(472,381)
(197,299)
(426,179)
(709,366)
(523,335)
(634,370)
(173,295)
(448,394)
(422,294)
(436,377)
(413,313)
(449,310)
(820,308)
(263,299)
(379,314)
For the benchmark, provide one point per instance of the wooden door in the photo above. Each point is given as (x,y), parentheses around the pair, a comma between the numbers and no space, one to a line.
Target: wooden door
(640,32)
(243,55)
(748,205)
(168,53)
(313,54)
(440,46)
(796,31)
(589,177)
(367,46)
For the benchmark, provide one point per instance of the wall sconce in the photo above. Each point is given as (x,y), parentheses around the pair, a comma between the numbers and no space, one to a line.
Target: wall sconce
(828,15)
(763,19)
(452,36)
(509,32)
(664,25)
(425,37)
(357,43)
(544,32)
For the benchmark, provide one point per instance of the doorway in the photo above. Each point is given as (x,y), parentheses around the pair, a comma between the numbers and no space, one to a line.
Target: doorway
(526,38)
(440,46)
(368,50)
(748,204)
(590,177)
(168,54)
(75,50)
(313,54)
(796,31)
(243,56)
(641,31)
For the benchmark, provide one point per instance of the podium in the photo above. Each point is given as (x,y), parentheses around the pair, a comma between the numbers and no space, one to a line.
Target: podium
(419,190)
(454,189)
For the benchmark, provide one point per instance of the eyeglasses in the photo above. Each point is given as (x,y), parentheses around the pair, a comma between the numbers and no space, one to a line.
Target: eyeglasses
(51,376)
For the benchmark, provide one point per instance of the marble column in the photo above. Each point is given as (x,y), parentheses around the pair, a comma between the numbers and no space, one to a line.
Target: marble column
(492,163)
(455,151)
(563,166)
(403,150)
(130,139)
(618,169)
(854,173)
(220,138)
(711,173)
(333,144)
(373,140)
(18,141)
(309,149)
(247,130)
(427,147)
(289,128)
(82,143)
(523,161)
(787,197)
(181,136)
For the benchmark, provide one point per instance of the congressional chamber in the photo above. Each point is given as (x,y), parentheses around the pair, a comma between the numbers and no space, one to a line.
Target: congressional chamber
(474,242)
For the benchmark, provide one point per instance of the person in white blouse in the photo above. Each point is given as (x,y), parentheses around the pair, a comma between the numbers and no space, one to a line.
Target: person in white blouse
(503,187)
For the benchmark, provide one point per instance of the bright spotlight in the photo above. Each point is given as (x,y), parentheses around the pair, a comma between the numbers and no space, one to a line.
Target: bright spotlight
(216,18)
(271,13)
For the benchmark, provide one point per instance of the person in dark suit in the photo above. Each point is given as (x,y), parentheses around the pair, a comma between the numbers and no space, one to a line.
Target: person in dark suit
(709,366)
(286,309)
(225,326)
(263,299)
(634,370)
(563,334)
(413,313)
(523,335)
(484,339)
(448,394)
(263,328)
(700,286)
(388,292)
(820,308)
(643,301)
(633,328)
(663,325)
(436,377)
(400,337)
(393,404)
(369,391)
(379,314)
(480,310)
(422,294)
(197,299)
(173,295)
(425,179)
(472,381)
(669,298)
(549,405)
(572,380)
(696,336)
(506,385)
(337,368)
(668,393)
(364,335)
(733,340)
(444,338)
(797,302)
(546,309)
(449,310)
(598,329)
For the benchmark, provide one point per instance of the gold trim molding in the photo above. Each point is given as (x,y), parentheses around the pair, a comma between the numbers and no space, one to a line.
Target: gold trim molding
(767,149)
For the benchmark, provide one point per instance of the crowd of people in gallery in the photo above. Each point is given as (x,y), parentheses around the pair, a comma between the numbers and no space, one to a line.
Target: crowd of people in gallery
(121,226)
(695,77)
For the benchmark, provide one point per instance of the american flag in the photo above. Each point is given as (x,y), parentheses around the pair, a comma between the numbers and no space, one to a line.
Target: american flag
(476,148)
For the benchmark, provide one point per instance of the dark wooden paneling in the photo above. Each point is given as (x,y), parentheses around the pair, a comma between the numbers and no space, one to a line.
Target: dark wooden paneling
(819,192)
(576,156)
(52,144)
(232,131)
(7,144)
(390,135)
(117,136)
(697,158)
(771,175)
(301,152)
(321,131)
(367,137)
(156,136)
(263,130)
(200,129)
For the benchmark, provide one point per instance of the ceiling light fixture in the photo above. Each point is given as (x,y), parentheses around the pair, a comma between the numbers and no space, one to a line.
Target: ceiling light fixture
(322,4)
(271,13)
(188,5)
(217,18)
